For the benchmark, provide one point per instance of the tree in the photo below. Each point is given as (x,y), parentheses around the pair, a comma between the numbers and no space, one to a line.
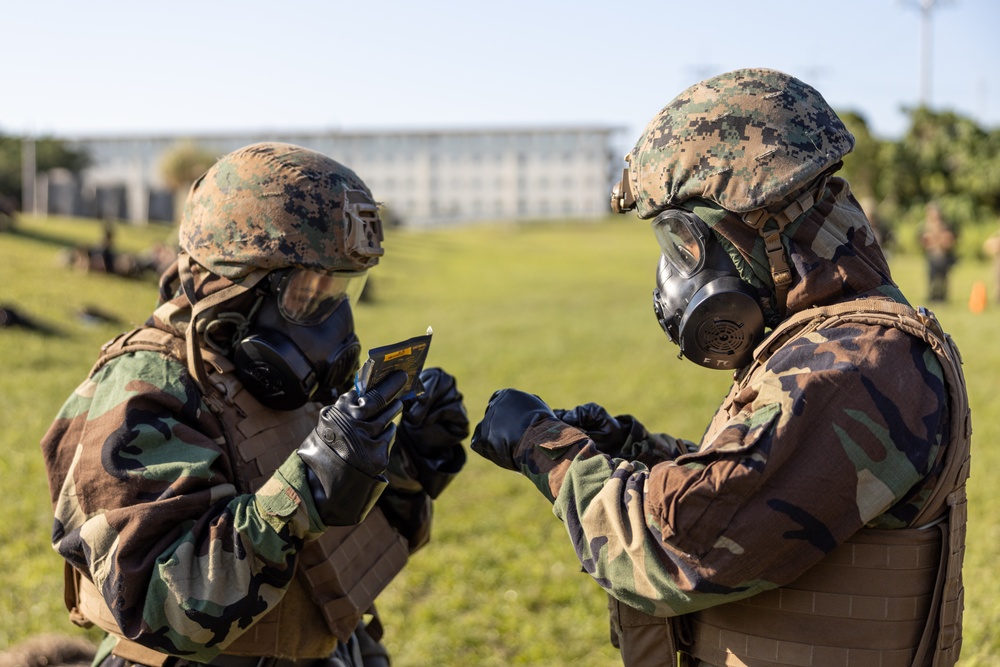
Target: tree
(950,159)
(862,165)
(50,154)
(181,167)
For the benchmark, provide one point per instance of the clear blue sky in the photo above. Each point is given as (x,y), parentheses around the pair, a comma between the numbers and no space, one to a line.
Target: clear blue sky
(113,67)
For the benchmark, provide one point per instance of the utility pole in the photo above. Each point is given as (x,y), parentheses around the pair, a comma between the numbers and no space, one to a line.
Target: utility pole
(925,7)
(28,173)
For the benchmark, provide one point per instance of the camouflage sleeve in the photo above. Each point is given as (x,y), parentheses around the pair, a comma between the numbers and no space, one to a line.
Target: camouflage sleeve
(841,429)
(146,504)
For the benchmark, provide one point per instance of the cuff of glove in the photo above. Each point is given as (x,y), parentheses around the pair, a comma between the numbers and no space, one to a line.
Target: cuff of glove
(343,495)
(356,494)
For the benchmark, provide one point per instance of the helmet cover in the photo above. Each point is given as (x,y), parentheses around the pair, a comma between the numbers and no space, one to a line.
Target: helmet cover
(744,140)
(270,206)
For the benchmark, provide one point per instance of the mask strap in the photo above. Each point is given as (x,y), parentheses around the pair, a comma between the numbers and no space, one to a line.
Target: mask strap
(781,273)
(777,258)
(195,364)
(168,282)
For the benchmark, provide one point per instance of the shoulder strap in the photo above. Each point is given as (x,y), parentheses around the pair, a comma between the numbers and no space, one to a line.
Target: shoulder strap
(144,338)
(812,318)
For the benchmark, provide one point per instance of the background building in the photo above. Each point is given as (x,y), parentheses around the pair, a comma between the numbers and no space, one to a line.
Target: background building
(424,178)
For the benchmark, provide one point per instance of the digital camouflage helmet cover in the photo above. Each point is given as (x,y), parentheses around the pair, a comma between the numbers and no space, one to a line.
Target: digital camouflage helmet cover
(745,140)
(270,206)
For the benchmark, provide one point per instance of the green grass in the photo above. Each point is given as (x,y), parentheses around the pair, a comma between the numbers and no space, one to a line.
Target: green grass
(561,310)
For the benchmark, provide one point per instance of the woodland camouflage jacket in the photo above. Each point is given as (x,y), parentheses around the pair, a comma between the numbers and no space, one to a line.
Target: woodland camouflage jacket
(840,429)
(147,504)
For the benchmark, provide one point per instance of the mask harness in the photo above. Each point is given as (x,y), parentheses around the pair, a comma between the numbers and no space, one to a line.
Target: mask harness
(281,363)
(781,272)
(284,364)
(711,318)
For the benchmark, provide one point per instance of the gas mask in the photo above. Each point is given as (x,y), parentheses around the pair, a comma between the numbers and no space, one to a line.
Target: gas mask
(301,345)
(699,300)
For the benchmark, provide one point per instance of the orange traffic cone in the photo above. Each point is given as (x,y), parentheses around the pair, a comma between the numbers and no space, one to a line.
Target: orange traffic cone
(977,299)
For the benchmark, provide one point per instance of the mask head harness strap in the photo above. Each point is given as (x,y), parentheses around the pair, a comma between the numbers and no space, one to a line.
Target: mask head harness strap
(781,271)
(198,308)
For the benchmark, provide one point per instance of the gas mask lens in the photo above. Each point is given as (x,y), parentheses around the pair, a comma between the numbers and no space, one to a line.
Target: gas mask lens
(681,241)
(308,297)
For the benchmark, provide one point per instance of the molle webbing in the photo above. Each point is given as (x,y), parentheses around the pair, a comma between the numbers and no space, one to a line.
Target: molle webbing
(346,567)
(349,566)
(261,438)
(865,604)
(339,574)
(884,598)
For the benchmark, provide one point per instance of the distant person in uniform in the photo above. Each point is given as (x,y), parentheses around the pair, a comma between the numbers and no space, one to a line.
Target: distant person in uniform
(937,238)
(8,213)
(991,248)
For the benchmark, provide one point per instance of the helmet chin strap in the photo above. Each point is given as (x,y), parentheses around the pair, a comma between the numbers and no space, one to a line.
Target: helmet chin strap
(777,258)
(198,308)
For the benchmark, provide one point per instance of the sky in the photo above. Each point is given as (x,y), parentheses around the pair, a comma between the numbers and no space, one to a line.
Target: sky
(186,68)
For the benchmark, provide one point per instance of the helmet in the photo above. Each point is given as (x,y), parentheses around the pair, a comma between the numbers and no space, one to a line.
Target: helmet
(755,142)
(744,140)
(300,231)
(271,206)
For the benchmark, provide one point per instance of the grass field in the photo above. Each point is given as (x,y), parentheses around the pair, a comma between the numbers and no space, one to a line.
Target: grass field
(561,310)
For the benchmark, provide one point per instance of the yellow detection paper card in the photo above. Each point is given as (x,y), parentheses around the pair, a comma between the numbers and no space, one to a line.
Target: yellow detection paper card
(408,356)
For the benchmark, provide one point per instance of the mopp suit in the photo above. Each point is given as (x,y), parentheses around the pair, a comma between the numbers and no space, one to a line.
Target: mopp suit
(221,494)
(820,520)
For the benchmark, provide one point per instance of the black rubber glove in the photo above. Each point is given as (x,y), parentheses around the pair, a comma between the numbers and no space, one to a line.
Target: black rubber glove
(347,453)
(508,415)
(431,432)
(608,433)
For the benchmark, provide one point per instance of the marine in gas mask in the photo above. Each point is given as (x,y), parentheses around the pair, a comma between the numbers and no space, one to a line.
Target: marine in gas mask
(221,490)
(841,450)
